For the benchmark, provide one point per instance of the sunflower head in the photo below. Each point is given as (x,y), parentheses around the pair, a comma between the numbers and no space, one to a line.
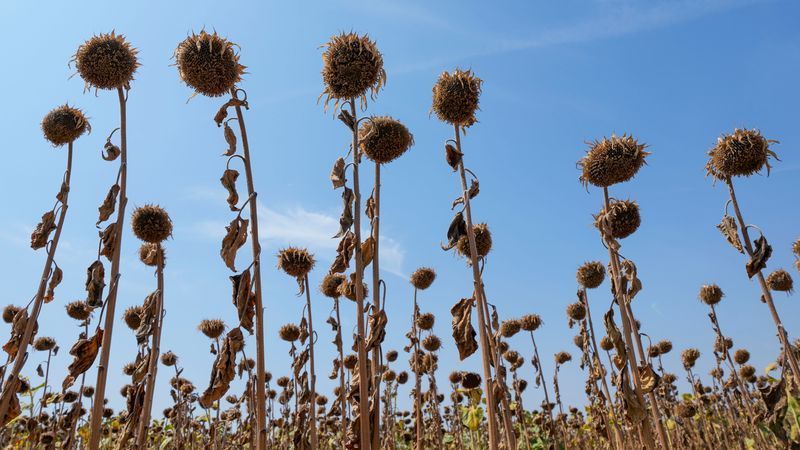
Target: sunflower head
(612,160)
(456,96)
(151,223)
(423,277)
(741,153)
(106,61)
(212,328)
(295,261)
(711,294)
(330,284)
(384,139)
(64,124)
(209,64)
(352,67)
(530,322)
(591,274)
(620,220)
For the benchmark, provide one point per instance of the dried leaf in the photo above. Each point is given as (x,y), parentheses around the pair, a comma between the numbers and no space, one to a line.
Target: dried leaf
(370,208)
(452,156)
(85,352)
(346,219)
(110,151)
(222,113)
(95,284)
(463,332)
(632,283)
(234,239)
(634,409)
(474,190)
(55,280)
(14,409)
(244,300)
(347,119)
(344,253)
(367,251)
(337,174)
(147,317)
(41,234)
(17,332)
(108,240)
(649,378)
(62,193)
(760,256)
(224,369)
(377,329)
(457,228)
(230,138)
(109,204)
(228,181)
(728,229)
(615,335)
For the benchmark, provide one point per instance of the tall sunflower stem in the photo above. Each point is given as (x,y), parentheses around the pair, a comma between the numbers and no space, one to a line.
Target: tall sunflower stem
(376,305)
(313,399)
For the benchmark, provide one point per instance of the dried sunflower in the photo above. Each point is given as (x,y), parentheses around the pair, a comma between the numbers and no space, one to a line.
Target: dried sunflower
(456,97)
(209,64)
(64,124)
(106,61)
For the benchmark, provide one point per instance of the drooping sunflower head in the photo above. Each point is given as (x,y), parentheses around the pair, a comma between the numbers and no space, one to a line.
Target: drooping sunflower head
(780,280)
(620,220)
(212,328)
(330,284)
(106,61)
(576,311)
(64,124)
(151,223)
(741,153)
(612,160)
(384,139)
(209,64)
(456,96)
(483,241)
(423,277)
(591,274)
(530,322)
(352,68)
(295,261)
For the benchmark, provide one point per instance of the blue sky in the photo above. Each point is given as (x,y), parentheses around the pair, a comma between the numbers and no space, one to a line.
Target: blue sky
(674,73)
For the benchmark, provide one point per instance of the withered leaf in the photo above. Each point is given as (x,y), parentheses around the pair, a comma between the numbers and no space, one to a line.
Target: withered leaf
(109,204)
(244,300)
(110,151)
(337,174)
(18,325)
(39,370)
(142,365)
(377,329)
(85,352)
(760,256)
(335,370)
(474,190)
(347,119)
(234,239)
(463,332)
(228,181)
(367,251)
(634,409)
(300,361)
(108,239)
(14,409)
(147,317)
(222,113)
(370,209)
(452,156)
(303,330)
(615,335)
(344,253)
(728,229)
(346,219)
(62,193)
(649,378)
(95,284)
(632,282)
(230,139)
(224,369)
(457,228)
(42,232)
(55,280)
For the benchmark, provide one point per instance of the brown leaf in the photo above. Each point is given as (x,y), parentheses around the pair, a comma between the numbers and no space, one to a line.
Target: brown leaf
(14,409)
(55,280)
(457,228)
(474,190)
(224,369)
(463,332)
(377,329)
(17,332)
(367,250)
(347,119)
(614,334)
(110,151)
(760,256)
(244,300)
(649,378)
(337,174)
(62,193)
(234,239)
(228,181)
(452,156)
(222,113)
(728,229)
(634,409)
(109,204)
(108,240)
(230,138)
(147,317)
(95,284)
(41,234)
(344,253)
(632,282)
(85,352)
(346,219)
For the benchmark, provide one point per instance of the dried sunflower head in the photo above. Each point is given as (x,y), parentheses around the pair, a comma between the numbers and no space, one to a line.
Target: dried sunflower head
(612,160)
(425,321)
(169,359)
(289,332)
(212,328)
(149,254)
(431,343)
(621,219)
(9,312)
(741,356)
(685,410)
(576,311)
(747,371)
(664,346)
(510,327)
(350,361)
(330,284)
(209,64)
(780,280)
(689,357)
(562,357)
(348,289)
(78,310)
(530,322)
(132,317)
(470,380)
(653,351)
(391,355)
(384,139)
(423,277)
(606,343)
(711,294)
(591,274)
(106,61)
(455,377)
(742,153)
(483,241)
(295,261)
(352,67)
(456,97)
(151,223)
(402,377)
(44,343)
(64,124)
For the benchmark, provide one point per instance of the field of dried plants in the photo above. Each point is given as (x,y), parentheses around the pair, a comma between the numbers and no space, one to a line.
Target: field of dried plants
(633,398)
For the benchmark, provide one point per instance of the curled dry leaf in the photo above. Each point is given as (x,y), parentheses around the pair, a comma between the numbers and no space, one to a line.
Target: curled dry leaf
(634,409)
(95,284)
(377,329)
(474,190)
(649,378)
(108,239)
(228,181)
(62,193)
(457,228)
(230,139)
(760,256)
(463,332)
(109,204)
(55,280)
(614,334)
(244,300)
(631,283)
(337,174)
(10,391)
(110,151)
(42,232)
(344,253)
(346,219)
(347,119)
(222,113)
(728,229)
(452,156)
(224,369)
(370,209)
(17,331)
(234,239)
(85,352)
(147,317)
(367,251)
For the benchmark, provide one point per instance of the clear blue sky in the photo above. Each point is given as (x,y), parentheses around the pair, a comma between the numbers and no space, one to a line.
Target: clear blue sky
(675,73)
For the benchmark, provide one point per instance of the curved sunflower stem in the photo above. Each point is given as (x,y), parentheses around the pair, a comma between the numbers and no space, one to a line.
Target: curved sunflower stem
(111,300)
(11,382)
